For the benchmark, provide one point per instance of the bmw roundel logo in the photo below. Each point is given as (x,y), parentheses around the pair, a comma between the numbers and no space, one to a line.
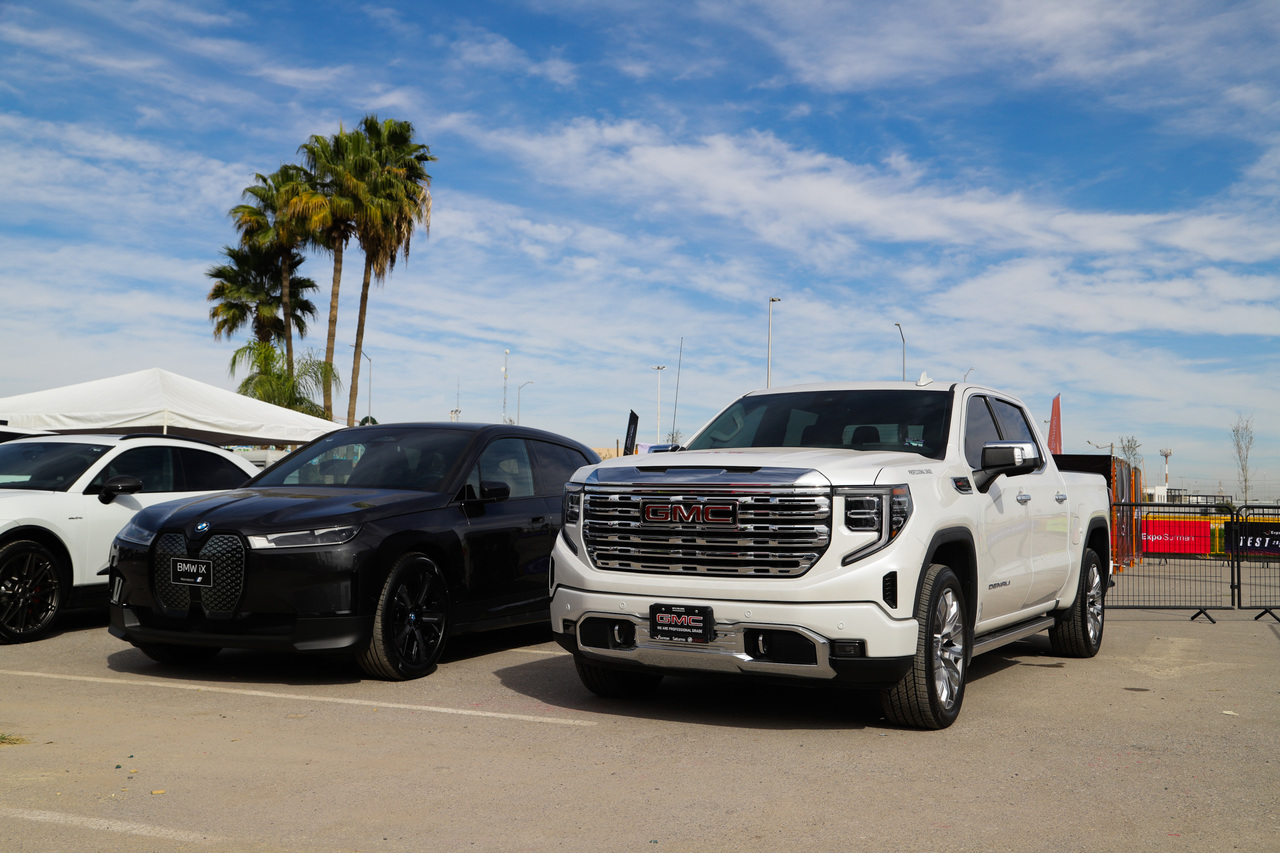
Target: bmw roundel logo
(202,527)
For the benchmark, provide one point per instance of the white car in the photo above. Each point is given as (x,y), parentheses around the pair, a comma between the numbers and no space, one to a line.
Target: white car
(63,498)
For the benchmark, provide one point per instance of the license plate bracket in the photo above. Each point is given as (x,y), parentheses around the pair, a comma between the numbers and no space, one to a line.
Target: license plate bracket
(682,623)
(187,571)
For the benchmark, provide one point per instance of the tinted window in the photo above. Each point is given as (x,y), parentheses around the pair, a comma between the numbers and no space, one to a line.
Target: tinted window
(1013,423)
(911,421)
(154,466)
(205,471)
(373,457)
(556,464)
(504,461)
(979,428)
(52,466)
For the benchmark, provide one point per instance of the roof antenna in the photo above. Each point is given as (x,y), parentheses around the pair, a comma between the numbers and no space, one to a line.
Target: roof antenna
(924,379)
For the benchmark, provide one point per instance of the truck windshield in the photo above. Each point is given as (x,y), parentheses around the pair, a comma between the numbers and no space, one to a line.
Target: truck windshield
(908,421)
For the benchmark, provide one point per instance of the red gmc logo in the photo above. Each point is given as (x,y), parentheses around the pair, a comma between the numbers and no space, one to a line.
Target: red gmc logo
(690,513)
(679,619)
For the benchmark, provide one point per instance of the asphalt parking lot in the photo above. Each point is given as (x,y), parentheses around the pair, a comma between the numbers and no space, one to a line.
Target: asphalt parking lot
(1169,740)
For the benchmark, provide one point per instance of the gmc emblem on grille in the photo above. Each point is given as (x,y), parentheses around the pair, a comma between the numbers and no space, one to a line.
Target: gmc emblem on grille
(690,513)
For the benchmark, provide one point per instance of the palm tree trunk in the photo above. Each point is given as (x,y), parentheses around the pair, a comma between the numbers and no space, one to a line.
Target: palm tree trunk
(333,326)
(287,307)
(355,367)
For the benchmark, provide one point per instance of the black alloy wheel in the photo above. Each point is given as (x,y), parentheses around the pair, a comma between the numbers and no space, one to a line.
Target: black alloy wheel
(411,621)
(33,588)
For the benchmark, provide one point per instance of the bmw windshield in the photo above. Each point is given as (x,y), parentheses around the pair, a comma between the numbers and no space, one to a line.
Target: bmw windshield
(907,421)
(411,458)
(45,466)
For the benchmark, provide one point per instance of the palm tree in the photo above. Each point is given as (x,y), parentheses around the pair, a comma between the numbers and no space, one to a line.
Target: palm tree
(267,221)
(399,198)
(246,290)
(270,380)
(330,201)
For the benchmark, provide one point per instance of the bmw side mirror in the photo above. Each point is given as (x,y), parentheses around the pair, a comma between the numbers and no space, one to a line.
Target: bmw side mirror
(122,484)
(494,490)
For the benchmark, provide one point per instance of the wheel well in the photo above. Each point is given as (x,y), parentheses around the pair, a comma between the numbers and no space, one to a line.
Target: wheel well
(394,547)
(1100,541)
(46,538)
(957,554)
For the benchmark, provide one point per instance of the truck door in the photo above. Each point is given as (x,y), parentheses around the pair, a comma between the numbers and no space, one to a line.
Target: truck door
(1046,502)
(1004,549)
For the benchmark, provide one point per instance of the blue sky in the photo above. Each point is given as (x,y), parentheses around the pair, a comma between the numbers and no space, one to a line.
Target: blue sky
(1075,198)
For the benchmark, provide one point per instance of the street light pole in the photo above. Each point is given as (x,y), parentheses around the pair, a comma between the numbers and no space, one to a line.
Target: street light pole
(659,368)
(768,364)
(904,351)
(518,390)
(1166,453)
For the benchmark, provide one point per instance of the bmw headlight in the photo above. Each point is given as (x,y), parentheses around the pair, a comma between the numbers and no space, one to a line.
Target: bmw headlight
(138,532)
(305,538)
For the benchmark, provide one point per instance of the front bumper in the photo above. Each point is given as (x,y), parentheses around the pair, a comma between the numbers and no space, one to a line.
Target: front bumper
(846,642)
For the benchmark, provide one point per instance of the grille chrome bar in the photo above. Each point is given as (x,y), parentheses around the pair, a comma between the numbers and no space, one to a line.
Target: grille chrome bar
(780,531)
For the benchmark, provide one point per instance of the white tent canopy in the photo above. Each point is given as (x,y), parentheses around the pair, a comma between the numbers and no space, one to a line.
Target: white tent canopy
(158,401)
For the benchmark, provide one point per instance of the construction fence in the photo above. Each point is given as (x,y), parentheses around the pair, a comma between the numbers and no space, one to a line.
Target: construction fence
(1196,557)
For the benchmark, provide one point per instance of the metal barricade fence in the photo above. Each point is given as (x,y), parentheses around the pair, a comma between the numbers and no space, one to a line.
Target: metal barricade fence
(1255,534)
(1197,557)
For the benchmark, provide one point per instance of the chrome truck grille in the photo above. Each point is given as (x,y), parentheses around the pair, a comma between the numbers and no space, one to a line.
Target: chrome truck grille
(771,531)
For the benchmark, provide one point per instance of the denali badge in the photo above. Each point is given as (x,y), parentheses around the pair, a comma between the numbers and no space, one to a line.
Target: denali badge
(690,513)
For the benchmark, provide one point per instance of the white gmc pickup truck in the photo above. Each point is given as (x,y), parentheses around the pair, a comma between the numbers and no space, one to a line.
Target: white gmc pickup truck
(878,534)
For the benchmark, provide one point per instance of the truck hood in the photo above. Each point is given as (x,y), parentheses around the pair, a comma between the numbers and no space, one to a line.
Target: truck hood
(284,508)
(767,466)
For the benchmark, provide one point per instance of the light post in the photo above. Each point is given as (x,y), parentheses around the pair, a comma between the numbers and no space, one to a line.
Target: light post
(1111,448)
(768,363)
(904,351)
(1166,453)
(659,368)
(518,390)
(966,375)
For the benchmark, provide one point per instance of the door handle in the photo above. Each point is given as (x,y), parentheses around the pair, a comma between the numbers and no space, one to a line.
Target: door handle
(1060,497)
(1023,498)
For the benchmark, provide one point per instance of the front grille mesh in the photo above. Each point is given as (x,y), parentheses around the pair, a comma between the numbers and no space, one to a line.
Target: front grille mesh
(780,532)
(227,553)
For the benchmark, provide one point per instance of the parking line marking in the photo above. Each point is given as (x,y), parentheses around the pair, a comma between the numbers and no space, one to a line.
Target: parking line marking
(121,826)
(180,685)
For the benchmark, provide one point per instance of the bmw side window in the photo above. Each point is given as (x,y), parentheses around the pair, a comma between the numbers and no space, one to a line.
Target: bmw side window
(979,428)
(504,461)
(203,471)
(556,465)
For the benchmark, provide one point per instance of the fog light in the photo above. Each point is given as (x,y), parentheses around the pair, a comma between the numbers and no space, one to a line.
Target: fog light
(849,649)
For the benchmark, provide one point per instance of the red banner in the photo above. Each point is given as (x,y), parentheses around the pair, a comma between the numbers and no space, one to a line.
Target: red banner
(1055,426)
(1175,536)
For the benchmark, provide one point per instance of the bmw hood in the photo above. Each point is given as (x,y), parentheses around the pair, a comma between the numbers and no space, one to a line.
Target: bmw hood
(283,508)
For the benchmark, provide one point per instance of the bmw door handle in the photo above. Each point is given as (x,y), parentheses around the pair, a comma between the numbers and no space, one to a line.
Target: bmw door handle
(1023,498)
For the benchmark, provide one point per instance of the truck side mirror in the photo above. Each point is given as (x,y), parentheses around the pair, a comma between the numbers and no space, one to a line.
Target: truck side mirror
(1005,457)
(122,484)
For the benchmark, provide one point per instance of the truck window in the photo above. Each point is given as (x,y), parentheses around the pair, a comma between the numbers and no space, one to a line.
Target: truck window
(979,428)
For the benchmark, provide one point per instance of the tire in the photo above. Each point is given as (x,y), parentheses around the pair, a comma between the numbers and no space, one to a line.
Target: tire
(175,654)
(615,683)
(410,623)
(930,695)
(1077,633)
(34,586)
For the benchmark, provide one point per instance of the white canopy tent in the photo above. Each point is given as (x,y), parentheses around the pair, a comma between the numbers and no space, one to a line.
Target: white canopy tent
(158,401)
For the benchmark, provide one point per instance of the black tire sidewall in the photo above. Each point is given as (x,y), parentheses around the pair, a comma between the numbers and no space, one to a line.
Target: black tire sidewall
(382,641)
(61,573)
(943,580)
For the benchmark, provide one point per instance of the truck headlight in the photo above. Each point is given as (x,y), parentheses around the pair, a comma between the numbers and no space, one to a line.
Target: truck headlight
(881,510)
(572,512)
